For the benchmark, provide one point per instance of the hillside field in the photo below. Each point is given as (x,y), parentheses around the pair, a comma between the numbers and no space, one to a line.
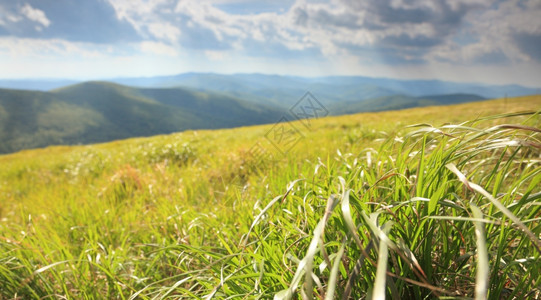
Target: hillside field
(363,206)
(100,111)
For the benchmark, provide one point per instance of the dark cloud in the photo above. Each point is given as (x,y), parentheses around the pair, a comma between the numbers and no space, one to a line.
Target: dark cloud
(386,55)
(301,16)
(92,21)
(444,18)
(347,20)
(214,19)
(404,40)
(323,17)
(403,31)
(529,44)
(407,31)
(390,15)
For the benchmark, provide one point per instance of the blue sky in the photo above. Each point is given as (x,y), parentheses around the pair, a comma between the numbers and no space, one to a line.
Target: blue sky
(491,41)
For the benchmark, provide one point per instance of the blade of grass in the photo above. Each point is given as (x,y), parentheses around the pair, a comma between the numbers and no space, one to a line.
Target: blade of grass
(329,295)
(381,271)
(43,269)
(535,240)
(312,250)
(482,276)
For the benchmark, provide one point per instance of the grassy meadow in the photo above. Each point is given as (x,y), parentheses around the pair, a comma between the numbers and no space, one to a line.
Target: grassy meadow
(434,202)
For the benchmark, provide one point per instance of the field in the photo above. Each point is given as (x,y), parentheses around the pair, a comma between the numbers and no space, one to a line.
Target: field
(434,202)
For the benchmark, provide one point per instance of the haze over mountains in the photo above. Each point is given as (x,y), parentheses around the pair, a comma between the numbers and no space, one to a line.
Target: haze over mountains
(272,86)
(336,88)
(38,113)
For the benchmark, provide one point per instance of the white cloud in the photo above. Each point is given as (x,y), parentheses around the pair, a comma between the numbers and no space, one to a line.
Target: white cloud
(215,55)
(35,15)
(46,48)
(8,17)
(164,31)
(14,19)
(157,48)
(126,9)
(498,28)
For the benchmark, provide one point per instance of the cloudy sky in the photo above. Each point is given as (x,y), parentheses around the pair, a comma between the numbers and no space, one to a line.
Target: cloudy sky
(492,41)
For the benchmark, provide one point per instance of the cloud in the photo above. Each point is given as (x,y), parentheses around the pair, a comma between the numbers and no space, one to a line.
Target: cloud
(385,31)
(324,16)
(35,15)
(390,28)
(529,44)
(164,31)
(247,7)
(92,21)
(517,30)
(406,40)
(44,48)
(157,48)
(358,34)
(215,55)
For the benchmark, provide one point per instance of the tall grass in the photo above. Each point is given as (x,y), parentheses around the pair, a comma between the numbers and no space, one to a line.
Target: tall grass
(417,212)
(426,216)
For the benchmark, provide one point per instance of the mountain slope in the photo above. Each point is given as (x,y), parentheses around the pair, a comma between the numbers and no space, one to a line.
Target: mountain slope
(95,112)
(395,102)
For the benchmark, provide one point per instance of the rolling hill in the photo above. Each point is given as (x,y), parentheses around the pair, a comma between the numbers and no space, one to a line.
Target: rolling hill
(100,111)
(284,91)
(95,112)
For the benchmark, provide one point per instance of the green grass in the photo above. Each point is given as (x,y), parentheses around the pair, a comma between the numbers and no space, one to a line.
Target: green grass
(364,206)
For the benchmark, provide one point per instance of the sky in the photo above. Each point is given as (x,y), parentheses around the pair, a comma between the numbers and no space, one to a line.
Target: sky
(484,41)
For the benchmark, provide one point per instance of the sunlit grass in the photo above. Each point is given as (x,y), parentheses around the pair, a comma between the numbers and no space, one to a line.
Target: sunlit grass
(363,207)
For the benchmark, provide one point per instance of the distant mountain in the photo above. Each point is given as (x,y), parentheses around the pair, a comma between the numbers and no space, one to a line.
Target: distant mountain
(438,87)
(396,102)
(286,90)
(94,112)
(283,91)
